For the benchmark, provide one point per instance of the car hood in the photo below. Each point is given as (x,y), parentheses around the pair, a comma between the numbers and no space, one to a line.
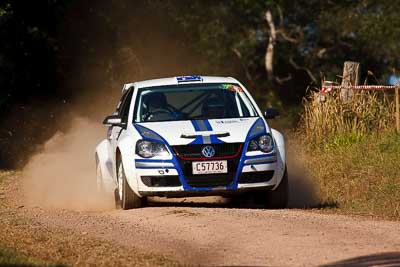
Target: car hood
(185,132)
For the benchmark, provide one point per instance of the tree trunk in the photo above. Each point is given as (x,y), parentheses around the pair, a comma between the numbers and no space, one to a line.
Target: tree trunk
(269,55)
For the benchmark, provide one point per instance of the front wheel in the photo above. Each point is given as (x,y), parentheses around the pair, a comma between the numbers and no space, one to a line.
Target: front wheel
(276,199)
(125,198)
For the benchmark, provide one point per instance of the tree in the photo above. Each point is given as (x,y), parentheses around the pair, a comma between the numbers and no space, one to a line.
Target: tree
(312,39)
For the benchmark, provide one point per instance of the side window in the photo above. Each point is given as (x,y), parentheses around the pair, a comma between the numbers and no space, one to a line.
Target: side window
(120,102)
(123,109)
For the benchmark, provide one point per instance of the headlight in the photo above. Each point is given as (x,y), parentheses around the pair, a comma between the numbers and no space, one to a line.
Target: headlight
(262,143)
(148,149)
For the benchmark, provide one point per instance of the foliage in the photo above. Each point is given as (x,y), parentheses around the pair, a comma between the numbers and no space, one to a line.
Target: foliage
(230,36)
(28,34)
(314,39)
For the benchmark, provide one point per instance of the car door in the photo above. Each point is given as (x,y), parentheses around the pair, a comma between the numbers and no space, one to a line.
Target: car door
(123,113)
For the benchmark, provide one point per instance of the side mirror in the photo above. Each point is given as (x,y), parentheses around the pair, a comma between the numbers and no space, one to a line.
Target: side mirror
(271,113)
(114,120)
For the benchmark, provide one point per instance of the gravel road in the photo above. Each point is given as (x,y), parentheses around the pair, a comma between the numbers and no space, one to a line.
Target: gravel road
(229,236)
(196,231)
(208,231)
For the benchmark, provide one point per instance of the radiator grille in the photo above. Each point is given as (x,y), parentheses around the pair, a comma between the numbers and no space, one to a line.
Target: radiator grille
(221,150)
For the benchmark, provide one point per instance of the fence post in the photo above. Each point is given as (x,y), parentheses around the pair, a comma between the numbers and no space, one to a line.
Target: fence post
(351,76)
(396,95)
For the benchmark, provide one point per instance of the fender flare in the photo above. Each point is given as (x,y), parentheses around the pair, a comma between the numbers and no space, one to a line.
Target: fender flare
(280,154)
(126,148)
(106,165)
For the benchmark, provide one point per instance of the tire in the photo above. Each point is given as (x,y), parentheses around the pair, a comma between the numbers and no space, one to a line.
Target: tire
(125,198)
(276,199)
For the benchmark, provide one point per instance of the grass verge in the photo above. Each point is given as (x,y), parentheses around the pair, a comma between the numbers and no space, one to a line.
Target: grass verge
(9,257)
(352,152)
(361,174)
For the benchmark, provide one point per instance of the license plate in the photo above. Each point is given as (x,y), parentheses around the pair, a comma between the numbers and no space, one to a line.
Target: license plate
(209,167)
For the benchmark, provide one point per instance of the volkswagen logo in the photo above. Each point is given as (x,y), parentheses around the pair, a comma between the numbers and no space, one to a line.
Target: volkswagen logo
(208,151)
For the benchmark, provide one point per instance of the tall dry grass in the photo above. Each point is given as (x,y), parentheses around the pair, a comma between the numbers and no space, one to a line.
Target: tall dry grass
(326,114)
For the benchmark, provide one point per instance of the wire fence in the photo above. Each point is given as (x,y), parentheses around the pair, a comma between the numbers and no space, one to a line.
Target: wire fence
(329,88)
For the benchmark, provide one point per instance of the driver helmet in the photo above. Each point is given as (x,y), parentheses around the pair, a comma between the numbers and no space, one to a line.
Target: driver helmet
(156,101)
(213,108)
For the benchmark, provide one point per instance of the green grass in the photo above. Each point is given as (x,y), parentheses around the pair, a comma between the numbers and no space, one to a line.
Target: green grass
(9,257)
(359,173)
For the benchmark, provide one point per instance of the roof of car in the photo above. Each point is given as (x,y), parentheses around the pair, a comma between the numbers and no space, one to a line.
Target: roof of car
(178,80)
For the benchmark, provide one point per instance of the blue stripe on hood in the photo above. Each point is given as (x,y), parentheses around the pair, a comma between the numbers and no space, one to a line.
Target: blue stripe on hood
(202,126)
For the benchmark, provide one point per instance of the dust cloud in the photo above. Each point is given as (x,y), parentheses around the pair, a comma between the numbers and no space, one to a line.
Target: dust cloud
(303,192)
(62,174)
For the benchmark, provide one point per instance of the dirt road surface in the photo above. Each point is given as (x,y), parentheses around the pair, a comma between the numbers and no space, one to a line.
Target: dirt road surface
(206,232)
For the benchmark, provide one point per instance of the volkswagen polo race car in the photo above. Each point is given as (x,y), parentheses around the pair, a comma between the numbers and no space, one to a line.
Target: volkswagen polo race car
(191,136)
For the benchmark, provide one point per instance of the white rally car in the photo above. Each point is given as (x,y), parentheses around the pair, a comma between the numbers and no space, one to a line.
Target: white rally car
(191,136)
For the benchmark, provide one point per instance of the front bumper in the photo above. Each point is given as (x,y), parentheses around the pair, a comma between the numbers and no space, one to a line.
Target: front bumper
(247,171)
(172,182)
(215,192)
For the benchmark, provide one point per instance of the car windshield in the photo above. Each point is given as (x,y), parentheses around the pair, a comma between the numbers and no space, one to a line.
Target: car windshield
(192,101)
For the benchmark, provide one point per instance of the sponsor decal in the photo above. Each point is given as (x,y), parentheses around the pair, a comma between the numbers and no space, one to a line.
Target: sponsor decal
(232,87)
(193,78)
(228,121)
